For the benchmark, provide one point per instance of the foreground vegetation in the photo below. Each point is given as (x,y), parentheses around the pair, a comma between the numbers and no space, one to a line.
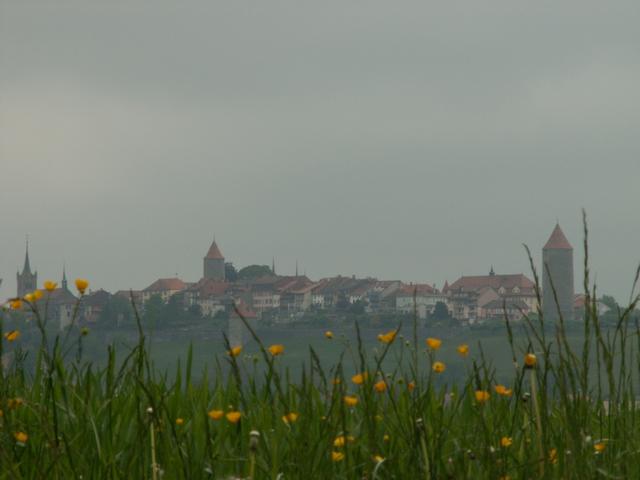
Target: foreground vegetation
(363,418)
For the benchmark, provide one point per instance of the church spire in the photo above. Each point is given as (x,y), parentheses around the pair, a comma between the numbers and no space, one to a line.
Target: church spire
(27,265)
(273,265)
(296,267)
(64,277)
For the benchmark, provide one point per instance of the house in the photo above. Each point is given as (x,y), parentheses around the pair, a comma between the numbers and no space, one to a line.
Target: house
(93,304)
(165,288)
(419,297)
(468,295)
(212,296)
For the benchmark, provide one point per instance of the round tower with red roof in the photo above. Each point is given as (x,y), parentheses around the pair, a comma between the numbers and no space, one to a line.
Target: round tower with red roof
(557,270)
(214,263)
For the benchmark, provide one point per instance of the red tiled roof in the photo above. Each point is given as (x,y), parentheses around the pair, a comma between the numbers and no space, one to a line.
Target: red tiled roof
(166,284)
(208,287)
(557,240)
(419,288)
(214,252)
(478,282)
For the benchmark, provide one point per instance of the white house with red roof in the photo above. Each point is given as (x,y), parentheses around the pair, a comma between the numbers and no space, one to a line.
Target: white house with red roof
(419,297)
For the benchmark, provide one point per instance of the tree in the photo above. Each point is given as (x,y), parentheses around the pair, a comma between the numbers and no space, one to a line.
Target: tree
(230,272)
(440,311)
(610,302)
(254,271)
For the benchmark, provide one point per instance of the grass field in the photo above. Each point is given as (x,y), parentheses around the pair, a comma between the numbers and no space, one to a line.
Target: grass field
(295,404)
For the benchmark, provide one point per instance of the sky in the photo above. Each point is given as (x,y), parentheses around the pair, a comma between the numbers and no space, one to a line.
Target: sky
(412,140)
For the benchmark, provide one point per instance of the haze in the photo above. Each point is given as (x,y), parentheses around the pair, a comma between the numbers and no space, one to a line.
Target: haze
(402,140)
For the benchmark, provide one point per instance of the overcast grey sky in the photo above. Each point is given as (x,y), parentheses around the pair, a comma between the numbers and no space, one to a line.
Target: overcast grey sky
(404,140)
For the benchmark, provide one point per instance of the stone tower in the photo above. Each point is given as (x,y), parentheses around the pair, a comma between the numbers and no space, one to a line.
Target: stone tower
(557,267)
(214,264)
(27,281)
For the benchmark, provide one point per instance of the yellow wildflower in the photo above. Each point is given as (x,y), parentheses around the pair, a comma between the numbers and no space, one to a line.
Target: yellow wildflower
(502,390)
(530,360)
(386,437)
(328,334)
(377,458)
(380,386)
(350,400)
(179,421)
(81,285)
(12,336)
(482,396)
(439,367)
(599,447)
(434,343)
(388,337)
(290,417)
(215,414)
(359,378)
(463,350)
(553,456)
(506,442)
(336,381)
(276,350)
(341,440)
(14,403)
(16,304)
(233,417)
(235,351)
(29,297)
(21,437)
(50,286)
(37,294)
(411,386)
(337,456)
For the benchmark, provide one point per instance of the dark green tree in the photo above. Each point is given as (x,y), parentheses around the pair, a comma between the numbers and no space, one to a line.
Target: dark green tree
(440,312)
(254,271)
(230,272)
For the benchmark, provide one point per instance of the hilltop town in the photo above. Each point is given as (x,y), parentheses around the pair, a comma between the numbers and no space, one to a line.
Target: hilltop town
(261,295)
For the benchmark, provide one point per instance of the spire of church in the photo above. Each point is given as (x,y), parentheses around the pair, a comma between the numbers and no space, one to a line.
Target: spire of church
(64,277)
(273,265)
(491,272)
(296,267)
(27,265)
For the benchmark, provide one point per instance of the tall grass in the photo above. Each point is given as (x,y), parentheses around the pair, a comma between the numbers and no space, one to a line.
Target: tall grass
(66,418)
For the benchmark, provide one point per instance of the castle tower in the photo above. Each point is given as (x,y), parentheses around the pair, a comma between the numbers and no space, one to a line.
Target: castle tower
(214,263)
(557,267)
(27,281)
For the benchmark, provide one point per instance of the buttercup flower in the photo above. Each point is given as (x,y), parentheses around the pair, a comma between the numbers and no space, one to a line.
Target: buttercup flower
(387,337)
(81,285)
(290,417)
(14,403)
(215,414)
(233,417)
(350,400)
(337,456)
(482,396)
(506,442)
(530,360)
(276,350)
(380,386)
(502,390)
(553,456)
(377,458)
(359,378)
(50,286)
(179,421)
(433,343)
(599,447)
(29,297)
(411,386)
(235,351)
(328,334)
(341,440)
(12,336)
(21,437)
(463,350)
(439,367)
(37,294)
(16,304)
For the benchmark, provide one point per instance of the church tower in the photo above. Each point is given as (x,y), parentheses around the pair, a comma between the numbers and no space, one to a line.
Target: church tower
(27,281)
(557,267)
(214,264)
